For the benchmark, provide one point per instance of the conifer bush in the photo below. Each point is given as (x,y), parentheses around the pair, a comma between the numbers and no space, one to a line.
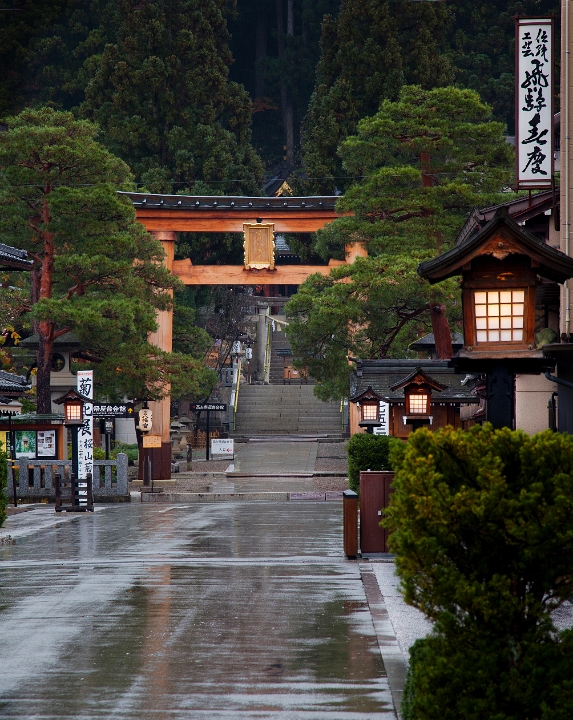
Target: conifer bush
(482,526)
(367,452)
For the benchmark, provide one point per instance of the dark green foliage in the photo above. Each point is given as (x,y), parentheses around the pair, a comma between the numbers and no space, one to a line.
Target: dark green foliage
(367,452)
(3,483)
(163,100)
(482,525)
(482,48)
(369,51)
(97,272)
(375,307)
(471,675)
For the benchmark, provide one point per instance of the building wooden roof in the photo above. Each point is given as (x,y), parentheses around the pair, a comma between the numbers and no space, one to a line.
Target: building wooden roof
(549,262)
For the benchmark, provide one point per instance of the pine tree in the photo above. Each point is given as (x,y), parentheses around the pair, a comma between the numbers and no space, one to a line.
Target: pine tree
(368,52)
(162,98)
(96,271)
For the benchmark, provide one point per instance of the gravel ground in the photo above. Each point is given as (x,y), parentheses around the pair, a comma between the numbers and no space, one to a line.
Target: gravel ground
(331,450)
(330,483)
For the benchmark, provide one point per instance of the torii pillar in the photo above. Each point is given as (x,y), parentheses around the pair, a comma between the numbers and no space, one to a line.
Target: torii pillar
(163,339)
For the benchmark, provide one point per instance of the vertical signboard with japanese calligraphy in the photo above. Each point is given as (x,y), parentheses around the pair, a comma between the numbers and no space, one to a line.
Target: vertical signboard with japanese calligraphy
(85,386)
(534,94)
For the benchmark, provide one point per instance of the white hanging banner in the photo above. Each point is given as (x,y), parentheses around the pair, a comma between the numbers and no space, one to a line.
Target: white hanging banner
(384,418)
(534,93)
(85,386)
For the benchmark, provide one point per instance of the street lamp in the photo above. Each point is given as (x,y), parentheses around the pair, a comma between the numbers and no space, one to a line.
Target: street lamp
(369,404)
(73,403)
(418,388)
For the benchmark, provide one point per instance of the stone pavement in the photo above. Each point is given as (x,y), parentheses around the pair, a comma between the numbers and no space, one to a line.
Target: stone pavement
(221,610)
(278,457)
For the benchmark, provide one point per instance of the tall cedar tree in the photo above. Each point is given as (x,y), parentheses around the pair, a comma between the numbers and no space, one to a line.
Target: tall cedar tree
(368,53)
(96,271)
(276,47)
(428,159)
(481,42)
(163,100)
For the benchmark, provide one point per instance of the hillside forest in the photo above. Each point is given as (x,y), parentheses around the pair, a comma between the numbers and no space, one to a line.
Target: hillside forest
(214,97)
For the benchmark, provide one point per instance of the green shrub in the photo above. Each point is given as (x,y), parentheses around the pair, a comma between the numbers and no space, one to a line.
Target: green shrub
(130,450)
(367,452)
(482,525)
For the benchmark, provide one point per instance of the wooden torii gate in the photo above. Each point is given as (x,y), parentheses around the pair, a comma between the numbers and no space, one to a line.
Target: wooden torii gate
(258,218)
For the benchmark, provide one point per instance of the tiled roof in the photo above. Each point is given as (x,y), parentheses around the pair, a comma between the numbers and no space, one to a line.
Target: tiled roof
(383,374)
(15,259)
(9,382)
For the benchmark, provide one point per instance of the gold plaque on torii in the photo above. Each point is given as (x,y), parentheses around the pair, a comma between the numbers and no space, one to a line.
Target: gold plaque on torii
(259,246)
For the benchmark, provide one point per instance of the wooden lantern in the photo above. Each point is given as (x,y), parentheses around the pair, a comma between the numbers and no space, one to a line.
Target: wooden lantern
(501,265)
(73,403)
(418,388)
(369,404)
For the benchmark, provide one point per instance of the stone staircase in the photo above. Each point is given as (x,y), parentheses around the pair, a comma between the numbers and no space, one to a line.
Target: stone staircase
(285,410)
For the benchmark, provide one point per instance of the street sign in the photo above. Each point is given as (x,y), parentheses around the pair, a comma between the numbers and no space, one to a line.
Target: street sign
(152,441)
(223,447)
(208,406)
(109,410)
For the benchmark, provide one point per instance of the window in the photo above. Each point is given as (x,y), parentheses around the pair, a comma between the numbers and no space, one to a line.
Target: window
(370,412)
(418,404)
(499,315)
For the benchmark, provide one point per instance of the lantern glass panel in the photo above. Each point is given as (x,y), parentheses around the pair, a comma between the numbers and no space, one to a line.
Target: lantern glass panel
(73,412)
(499,315)
(370,412)
(418,404)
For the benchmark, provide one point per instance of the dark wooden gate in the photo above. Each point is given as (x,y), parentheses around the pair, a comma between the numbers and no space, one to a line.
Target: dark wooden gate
(375,494)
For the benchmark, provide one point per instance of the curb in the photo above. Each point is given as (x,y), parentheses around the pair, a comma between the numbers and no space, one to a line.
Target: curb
(191,497)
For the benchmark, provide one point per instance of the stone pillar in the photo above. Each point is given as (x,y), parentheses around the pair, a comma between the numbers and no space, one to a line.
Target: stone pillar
(163,338)
(262,333)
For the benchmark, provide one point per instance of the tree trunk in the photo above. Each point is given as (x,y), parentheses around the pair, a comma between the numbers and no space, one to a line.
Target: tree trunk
(44,363)
(261,52)
(442,332)
(287,109)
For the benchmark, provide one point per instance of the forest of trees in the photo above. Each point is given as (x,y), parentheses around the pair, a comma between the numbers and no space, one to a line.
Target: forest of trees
(220,96)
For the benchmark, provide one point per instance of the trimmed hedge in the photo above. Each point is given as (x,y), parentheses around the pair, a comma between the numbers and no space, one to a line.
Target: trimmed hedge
(482,526)
(367,452)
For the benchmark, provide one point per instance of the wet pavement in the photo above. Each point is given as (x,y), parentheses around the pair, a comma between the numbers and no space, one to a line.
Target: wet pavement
(275,457)
(219,610)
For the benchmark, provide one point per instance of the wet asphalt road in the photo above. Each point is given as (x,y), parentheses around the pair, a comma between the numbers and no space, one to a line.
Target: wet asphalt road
(217,610)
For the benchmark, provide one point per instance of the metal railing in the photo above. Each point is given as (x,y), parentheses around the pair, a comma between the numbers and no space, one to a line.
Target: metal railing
(36,477)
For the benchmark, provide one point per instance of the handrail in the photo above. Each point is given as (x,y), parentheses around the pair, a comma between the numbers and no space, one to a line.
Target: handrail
(236,403)
(268,356)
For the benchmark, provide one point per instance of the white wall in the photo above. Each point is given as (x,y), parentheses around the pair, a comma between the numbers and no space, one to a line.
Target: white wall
(532,393)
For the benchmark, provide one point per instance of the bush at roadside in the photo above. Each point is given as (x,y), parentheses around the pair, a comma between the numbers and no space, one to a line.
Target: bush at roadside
(367,452)
(482,526)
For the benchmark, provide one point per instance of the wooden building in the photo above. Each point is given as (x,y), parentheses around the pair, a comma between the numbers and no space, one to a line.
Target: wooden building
(389,379)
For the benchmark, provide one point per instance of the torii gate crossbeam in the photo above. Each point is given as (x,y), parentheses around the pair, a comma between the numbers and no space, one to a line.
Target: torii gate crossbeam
(166,215)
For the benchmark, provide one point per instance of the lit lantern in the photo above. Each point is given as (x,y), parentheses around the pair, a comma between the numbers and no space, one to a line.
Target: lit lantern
(418,388)
(501,264)
(369,404)
(73,403)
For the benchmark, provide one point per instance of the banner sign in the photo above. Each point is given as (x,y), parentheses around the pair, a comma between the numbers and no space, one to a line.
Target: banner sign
(384,418)
(85,386)
(112,411)
(208,406)
(534,94)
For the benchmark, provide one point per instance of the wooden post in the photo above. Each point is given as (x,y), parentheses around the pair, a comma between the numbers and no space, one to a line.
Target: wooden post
(163,338)
(375,491)
(350,523)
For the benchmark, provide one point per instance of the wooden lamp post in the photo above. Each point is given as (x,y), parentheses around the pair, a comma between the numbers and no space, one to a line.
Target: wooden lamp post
(73,403)
(500,267)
